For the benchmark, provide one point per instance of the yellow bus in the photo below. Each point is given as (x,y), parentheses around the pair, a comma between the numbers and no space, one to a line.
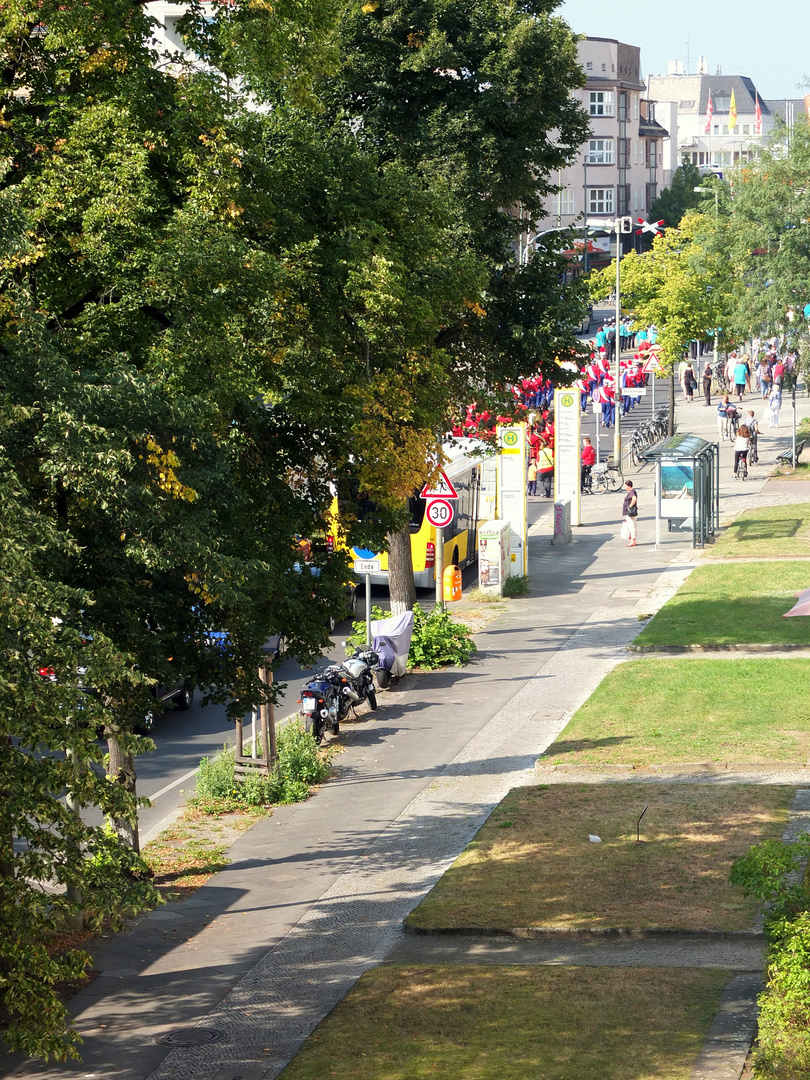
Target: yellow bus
(473,477)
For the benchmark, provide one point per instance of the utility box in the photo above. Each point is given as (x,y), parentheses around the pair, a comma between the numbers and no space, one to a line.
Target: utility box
(451,584)
(494,556)
(562,523)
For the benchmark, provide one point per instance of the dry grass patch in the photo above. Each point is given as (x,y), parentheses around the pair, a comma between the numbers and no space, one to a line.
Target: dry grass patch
(532,863)
(185,855)
(509,1023)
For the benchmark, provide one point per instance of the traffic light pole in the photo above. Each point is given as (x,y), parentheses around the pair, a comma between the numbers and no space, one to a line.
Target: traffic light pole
(621,225)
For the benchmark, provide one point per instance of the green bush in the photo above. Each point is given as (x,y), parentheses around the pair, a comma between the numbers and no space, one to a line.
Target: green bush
(436,642)
(783,1051)
(516,586)
(299,765)
(768,874)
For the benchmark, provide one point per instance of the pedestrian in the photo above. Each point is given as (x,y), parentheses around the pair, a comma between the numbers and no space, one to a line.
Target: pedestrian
(723,416)
(531,479)
(707,382)
(689,382)
(741,376)
(630,512)
(545,468)
(588,459)
(765,378)
(774,405)
(752,424)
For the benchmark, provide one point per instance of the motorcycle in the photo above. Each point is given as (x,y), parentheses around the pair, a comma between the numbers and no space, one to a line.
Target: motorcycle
(323,704)
(328,696)
(360,667)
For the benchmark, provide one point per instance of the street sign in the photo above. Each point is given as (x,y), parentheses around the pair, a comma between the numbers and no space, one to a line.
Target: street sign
(651,365)
(441,488)
(654,227)
(439,512)
(366,566)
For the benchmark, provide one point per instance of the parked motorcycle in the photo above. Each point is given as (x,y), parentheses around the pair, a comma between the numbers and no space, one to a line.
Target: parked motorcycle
(360,667)
(392,642)
(328,696)
(323,703)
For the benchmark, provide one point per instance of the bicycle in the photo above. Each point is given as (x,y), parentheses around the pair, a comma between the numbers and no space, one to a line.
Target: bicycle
(605,477)
(742,467)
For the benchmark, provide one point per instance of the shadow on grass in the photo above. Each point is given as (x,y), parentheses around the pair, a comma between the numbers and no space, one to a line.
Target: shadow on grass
(575,746)
(725,620)
(764,529)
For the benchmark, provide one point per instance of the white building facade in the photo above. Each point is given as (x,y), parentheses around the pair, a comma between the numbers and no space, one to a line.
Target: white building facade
(618,170)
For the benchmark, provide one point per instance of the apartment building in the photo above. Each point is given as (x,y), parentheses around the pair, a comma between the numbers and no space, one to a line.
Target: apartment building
(617,170)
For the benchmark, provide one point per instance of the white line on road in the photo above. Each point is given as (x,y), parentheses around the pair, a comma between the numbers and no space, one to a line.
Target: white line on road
(180,780)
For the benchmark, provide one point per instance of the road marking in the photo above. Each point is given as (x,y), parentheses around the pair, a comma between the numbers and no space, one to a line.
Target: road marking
(180,780)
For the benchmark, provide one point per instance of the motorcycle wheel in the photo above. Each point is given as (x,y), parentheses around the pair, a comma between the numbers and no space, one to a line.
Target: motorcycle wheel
(372,698)
(314,727)
(383,678)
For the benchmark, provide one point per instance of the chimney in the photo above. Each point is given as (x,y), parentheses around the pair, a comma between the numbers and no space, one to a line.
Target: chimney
(702,66)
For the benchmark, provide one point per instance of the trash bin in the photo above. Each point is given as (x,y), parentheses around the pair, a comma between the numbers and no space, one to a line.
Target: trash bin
(452,584)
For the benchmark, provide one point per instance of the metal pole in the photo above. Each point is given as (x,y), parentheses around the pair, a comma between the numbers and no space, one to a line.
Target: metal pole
(368,611)
(793,398)
(653,392)
(585,263)
(439,568)
(617,395)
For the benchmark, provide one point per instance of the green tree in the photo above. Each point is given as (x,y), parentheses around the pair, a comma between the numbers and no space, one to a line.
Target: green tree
(680,196)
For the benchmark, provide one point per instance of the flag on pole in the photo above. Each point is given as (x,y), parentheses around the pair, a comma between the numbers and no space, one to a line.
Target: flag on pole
(758,115)
(732,112)
(709,114)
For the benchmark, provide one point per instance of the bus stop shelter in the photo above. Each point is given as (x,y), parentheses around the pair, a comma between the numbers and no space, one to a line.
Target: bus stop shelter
(687,486)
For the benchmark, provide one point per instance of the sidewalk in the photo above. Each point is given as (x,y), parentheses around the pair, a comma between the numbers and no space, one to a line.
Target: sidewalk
(316,894)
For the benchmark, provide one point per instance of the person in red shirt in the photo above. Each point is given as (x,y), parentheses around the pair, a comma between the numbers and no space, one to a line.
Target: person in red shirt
(588,457)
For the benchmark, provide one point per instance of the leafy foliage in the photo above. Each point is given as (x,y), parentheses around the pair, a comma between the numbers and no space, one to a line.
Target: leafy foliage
(765,871)
(437,639)
(300,764)
(680,196)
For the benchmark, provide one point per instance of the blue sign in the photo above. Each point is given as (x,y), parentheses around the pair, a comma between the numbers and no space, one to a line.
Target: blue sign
(364,553)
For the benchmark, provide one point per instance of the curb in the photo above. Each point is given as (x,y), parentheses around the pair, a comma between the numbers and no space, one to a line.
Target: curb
(683,769)
(675,650)
(550,933)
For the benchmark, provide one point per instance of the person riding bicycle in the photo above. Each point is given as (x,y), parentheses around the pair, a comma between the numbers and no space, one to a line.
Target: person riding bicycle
(741,445)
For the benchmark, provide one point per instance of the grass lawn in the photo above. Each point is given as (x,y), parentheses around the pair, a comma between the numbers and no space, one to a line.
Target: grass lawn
(461,1022)
(773,530)
(660,711)
(532,863)
(733,603)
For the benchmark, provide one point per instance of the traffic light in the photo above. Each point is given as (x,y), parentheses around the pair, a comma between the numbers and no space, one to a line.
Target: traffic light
(627,224)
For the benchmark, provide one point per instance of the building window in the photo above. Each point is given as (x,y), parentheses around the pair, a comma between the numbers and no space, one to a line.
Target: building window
(601,102)
(566,197)
(600,200)
(604,67)
(716,129)
(653,155)
(600,152)
(635,151)
(746,129)
(589,66)
(635,106)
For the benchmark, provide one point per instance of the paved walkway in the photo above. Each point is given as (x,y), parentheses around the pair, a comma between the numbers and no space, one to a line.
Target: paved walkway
(316,894)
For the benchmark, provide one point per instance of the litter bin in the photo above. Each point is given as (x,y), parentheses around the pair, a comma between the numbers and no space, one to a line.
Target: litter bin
(451,584)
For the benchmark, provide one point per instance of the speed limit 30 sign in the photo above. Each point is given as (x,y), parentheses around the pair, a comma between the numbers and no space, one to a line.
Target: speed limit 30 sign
(439,512)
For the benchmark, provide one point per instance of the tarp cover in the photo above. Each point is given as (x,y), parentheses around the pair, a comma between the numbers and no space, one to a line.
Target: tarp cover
(392,639)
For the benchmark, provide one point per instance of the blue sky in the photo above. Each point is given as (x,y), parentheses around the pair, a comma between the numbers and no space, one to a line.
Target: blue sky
(769,43)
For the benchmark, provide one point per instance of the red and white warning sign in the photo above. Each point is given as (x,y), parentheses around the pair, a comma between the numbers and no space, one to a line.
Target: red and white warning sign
(652,365)
(441,488)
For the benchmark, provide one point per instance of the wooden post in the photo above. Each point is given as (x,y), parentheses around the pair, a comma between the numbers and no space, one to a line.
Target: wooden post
(268,723)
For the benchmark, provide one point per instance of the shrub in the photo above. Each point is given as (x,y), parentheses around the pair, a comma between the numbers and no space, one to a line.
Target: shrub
(299,765)
(516,586)
(783,1052)
(437,639)
(767,872)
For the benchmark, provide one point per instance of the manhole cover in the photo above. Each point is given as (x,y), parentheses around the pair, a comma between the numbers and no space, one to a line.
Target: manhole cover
(190,1037)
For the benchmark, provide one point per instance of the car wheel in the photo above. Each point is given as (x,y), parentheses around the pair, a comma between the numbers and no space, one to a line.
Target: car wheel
(185,699)
(281,648)
(331,623)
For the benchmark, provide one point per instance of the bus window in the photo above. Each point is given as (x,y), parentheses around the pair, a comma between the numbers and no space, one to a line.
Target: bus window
(416,508)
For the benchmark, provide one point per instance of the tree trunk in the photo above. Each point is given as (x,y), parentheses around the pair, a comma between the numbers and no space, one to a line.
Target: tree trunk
(401,588)
(121,770)
(671,416)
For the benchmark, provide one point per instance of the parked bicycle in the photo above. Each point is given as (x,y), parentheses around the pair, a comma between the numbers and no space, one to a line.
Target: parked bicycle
(605,476)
